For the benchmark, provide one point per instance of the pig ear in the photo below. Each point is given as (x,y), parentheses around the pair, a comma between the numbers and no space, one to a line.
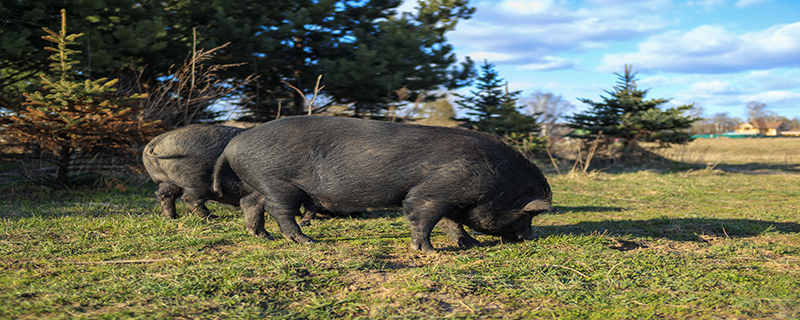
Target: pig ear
(538,206)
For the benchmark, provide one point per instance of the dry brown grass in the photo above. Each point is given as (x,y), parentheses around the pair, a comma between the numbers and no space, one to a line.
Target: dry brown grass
(777,151)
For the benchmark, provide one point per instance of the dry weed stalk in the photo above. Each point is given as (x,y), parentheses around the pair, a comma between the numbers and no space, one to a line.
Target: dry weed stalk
(420,98)
(187,92)
(591,151)
(588,161)
(546,148)
(317,88)
(332,109)
(578,160)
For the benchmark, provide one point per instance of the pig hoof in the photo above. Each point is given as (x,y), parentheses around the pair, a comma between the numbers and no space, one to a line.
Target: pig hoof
(170,215)
(424,248)
(266,236)
(301,239)
(305,223)
(209,217)
(263,234)
(468,243)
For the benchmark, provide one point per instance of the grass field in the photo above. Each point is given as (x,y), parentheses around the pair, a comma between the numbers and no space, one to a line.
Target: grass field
(726,151)
(644,243)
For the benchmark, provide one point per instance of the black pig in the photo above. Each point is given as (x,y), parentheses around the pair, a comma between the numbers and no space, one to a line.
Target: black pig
(181,162)
(452,177)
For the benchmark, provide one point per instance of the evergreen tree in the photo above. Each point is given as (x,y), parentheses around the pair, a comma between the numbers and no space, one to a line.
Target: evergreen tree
(364,49)
(69,117)
(494,109)
(124,38)
(625,114)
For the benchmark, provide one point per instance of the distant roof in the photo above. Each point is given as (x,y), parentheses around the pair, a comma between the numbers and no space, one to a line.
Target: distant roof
(758,124)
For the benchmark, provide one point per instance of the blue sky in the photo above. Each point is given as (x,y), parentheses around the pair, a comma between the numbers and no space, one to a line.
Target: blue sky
(718,54)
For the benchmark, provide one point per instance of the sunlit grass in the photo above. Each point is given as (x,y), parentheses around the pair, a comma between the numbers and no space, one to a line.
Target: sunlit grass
(640,244)
(764,151)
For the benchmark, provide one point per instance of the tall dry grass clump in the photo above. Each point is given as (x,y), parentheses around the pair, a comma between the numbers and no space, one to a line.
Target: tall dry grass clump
(185,95)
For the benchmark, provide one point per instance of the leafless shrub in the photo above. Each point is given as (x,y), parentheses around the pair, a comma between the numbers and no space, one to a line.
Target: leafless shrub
(184,96)
(310,104)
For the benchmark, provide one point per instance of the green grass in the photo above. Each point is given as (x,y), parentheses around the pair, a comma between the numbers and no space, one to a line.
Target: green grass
(633,245)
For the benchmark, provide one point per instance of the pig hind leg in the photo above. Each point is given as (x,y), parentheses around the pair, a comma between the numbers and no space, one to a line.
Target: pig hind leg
(166,194)
(456,232)
(196,200)
(283,205)
(253,208)
(423,214)
(284,216)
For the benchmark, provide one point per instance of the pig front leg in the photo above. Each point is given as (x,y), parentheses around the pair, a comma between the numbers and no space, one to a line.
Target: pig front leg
(166,194)
(456,232)
(253,208)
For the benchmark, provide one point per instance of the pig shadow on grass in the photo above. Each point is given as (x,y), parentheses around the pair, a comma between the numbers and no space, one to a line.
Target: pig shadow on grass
(682,229)
(565,209)
(760,168)
(656,163)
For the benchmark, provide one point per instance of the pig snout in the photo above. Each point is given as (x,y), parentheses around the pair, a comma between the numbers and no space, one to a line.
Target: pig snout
(520,235)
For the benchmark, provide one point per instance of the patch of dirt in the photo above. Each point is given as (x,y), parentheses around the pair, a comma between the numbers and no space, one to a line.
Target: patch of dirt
(394,289)
(625,245)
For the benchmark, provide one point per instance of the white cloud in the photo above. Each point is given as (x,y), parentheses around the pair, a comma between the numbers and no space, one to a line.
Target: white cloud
(712,49)
(772,80)
(548,63)
(778,98)
(634,4)
(492,57)
(532,30)
(710,92)
(732,93)
(709,40)
(706,4)
(747,3)
(663,81)
(520,85)
(713,87)
(523,7)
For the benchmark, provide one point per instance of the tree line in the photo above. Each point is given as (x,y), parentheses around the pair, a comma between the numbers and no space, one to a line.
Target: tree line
(364,50)
(723,122)
(143,67)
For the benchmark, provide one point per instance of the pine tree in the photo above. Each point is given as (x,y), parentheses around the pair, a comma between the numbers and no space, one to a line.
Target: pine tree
(626,115)
(495,109)
(69,117)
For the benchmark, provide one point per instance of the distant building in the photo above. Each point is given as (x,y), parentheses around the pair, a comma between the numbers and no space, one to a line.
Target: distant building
(793,132)
(762,128)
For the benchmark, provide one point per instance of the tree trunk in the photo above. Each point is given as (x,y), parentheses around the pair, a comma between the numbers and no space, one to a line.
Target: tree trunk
(630,149)
(64,160)
(299,103)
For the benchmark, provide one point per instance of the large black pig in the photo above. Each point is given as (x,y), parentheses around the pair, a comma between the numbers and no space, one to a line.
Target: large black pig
(181,162)
(452,177)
